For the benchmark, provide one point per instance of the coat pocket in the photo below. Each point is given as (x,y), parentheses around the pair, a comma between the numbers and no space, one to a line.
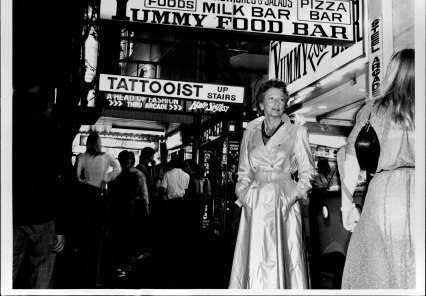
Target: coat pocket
(246,195)
(287,193)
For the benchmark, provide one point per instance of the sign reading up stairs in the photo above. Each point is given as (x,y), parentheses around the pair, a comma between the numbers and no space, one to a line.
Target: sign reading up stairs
(300,20)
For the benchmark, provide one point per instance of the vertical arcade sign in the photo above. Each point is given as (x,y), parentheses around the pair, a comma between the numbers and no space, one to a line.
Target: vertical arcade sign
(375,48)
(296,20)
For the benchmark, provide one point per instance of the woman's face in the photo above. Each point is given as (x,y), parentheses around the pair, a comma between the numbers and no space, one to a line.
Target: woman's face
(273,103)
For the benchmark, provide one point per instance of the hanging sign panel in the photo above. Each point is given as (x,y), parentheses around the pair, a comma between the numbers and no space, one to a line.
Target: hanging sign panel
(171,89)
(119,143)
(305,20)
(117,100)
(124,101)
(301,64)
(375,57)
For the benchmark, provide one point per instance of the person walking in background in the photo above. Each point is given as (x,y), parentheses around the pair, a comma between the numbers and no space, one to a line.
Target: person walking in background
(126,190)
(381,249)
(175,183)
(146,166)
(38,205)
(162,169)
(190,204)
(92,172)
(142,212)
(270,251)
(202,196)
(234,209)
(156,218)
(172,189)
(323,178)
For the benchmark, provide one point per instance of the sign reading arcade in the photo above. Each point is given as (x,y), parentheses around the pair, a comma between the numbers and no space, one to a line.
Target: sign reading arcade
(304,20)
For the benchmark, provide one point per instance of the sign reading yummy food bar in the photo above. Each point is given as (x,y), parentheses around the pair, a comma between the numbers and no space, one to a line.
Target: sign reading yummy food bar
(307,20)
(137,86)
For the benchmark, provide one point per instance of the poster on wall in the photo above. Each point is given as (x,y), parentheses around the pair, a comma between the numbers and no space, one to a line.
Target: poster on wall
(308,20)
(301,64)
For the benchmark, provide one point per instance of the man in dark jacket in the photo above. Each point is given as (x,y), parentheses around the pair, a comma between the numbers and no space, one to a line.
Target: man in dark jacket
(37,231)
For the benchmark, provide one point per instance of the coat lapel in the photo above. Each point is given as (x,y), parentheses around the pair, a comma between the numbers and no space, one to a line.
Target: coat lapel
(281,135)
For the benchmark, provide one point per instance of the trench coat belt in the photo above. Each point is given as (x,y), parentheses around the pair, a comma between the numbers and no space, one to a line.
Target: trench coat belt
(272,176)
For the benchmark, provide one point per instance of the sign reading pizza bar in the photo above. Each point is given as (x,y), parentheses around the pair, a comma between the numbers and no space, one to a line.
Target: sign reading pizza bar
(307,20)
(170,89)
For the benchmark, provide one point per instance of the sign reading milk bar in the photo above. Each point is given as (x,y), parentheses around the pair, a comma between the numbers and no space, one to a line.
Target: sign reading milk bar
(301,20)
(170,89)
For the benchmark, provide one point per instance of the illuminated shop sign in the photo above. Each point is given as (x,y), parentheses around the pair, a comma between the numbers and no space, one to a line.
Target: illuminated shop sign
(142,102)
(174,140)
(281,19)
(234,145)
(170,89)
(119,143)
(114,100)
(301,64)
(233,154)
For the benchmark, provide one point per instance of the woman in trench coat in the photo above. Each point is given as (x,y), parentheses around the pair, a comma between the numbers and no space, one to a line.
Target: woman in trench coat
(270,252)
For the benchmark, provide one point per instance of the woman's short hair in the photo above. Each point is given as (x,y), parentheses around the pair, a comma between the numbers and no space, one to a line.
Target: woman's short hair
(263,88)
(124,156)
(176,161)
(93,144)
(146,154)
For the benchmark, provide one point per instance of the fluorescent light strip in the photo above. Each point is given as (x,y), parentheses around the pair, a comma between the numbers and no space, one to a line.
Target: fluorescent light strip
(135,131)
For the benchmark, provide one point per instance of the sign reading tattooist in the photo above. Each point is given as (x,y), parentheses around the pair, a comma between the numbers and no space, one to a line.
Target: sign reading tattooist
(307,20)
(170,89)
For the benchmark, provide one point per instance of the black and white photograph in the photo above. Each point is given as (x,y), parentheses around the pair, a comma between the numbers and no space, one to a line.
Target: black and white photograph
(213,147)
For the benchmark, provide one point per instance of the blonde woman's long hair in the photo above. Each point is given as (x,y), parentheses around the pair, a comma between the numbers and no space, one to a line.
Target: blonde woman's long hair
(398,87)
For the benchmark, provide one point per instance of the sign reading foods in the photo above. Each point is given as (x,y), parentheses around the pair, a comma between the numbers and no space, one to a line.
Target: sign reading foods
(137,86)
(306,20)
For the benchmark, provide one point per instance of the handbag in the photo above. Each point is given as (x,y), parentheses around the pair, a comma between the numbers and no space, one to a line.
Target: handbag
(367,148)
